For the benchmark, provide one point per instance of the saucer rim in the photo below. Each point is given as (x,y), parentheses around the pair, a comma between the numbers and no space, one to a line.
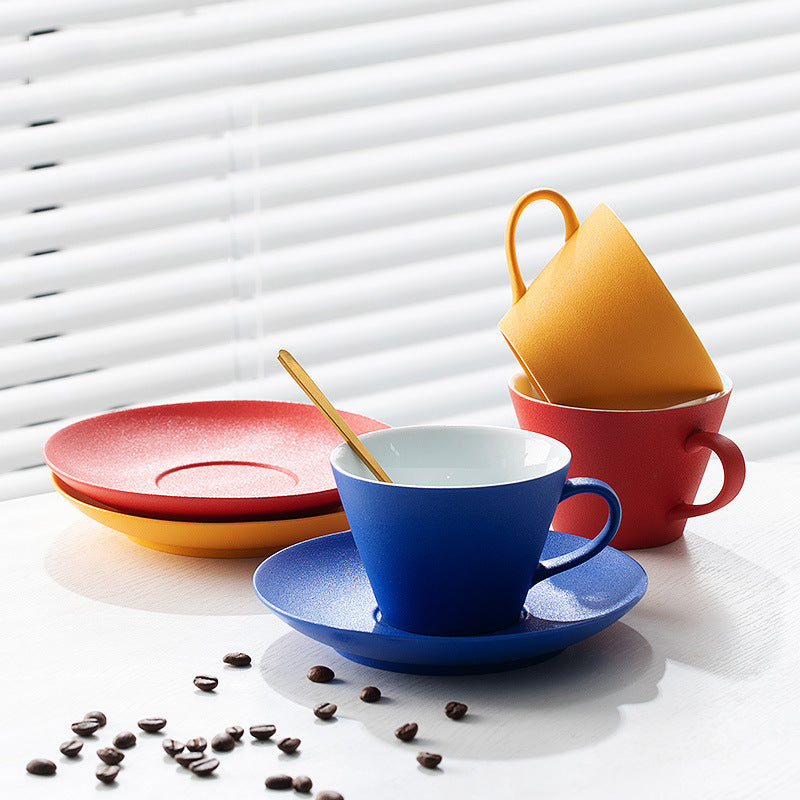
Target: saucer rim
(340,638)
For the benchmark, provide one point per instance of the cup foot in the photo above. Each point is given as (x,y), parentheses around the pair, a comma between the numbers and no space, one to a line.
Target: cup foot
(378,617)
(450,669)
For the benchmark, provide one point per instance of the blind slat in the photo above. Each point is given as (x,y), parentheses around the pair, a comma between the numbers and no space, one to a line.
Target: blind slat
(392,205)
(146,336)
(485,48)
(576,143)
(98,306)
(21,18)
(209,27)
(663,102)
(129,384)
(764,290)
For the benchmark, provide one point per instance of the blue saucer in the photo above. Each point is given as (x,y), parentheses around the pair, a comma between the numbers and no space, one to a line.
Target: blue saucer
(320,588)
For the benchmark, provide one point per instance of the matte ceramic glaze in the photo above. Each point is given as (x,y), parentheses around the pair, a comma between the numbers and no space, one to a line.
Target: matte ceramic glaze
(597,327)
(211,460)
(453,544)
(654,459)
(227,539)
(321,589)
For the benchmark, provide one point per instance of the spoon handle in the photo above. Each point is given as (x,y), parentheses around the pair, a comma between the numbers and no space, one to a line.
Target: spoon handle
(315,394)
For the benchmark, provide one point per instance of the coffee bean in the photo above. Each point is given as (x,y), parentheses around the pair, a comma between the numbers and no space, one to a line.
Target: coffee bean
(172,747)
(196,745)
(96,715)
(124,740)
(327,794)
(204,767)
(187,759)
(302,783)
(278,782)
(406,732)
(429,760)
(455,710)
(370,694)
(71,748)
(235,732)
(41,766)
(262,732)
(110,755)
(86,727)
(325,710)
(206,683)
(152,724)
(288,745)
(107,773)
(320,674)
(223,742)
(237,659)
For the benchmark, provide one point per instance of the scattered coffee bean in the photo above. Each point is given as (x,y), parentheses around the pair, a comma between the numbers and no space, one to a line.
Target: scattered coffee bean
(187,759)
(262,732)
(429,760)
(86,727)
(110,755)
(96,715)
(41,766)
(327,794)
(320,674)
(288,745)
(325,710)
(278,782)
(223,742)
(455,710)
(124,740)
(235,732)
(71,748)
(107,773)
(407,732)
(196,745)
(151,724)
(206,683)
(302,783)
(237,659)
(370,694)
(204,767)
(172,747)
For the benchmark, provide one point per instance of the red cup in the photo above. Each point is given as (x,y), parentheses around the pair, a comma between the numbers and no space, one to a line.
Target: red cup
(653,459)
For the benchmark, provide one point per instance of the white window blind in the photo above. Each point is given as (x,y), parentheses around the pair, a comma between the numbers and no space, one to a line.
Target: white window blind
(189,186)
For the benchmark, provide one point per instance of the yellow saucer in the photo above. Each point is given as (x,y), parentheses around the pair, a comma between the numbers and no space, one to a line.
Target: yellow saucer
(230,539)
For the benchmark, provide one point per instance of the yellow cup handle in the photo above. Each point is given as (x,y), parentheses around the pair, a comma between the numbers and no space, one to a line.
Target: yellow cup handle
(571,224)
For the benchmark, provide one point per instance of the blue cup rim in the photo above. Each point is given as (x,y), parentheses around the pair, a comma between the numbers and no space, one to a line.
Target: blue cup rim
(342,453)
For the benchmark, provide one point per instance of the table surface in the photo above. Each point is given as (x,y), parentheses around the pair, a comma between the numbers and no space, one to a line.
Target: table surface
(694,693)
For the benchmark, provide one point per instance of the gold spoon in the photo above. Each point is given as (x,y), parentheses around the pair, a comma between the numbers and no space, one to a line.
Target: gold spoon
(289,363)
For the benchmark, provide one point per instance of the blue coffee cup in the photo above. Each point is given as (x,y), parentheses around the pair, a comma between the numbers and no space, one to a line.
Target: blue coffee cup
(453,545)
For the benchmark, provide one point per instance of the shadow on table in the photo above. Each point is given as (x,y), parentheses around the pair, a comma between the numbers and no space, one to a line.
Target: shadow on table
(705,607)
(104,565)
(562,704)
(709,608)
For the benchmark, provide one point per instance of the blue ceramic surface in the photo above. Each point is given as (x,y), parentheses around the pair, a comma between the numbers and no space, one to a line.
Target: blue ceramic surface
(453,545)
(320,588)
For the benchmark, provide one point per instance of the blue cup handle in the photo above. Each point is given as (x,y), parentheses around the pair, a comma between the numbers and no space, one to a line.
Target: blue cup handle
(573,486)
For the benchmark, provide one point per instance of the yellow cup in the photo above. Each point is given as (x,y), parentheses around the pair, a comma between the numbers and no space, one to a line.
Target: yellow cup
(597,328)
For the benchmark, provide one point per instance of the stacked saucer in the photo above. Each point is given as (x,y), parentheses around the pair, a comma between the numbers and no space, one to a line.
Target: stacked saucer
(219,479)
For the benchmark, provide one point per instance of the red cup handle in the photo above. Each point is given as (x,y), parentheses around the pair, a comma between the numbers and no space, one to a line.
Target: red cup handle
(732,465)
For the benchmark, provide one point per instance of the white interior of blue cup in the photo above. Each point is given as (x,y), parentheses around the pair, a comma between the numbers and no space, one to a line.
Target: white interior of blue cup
(455,455)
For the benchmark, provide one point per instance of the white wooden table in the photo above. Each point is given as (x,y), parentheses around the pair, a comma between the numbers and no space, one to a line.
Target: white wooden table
(694,694)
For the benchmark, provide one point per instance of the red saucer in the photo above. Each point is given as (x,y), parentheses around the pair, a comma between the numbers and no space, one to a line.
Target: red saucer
(221,459)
